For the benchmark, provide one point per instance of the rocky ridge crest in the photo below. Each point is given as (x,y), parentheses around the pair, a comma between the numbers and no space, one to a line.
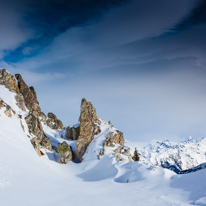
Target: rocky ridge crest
(26,98)
(88,128)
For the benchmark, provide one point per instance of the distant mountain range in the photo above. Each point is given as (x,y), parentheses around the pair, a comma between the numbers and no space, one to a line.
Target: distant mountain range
(178,157)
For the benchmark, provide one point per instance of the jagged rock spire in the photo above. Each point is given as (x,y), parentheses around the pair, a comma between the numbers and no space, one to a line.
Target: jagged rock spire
(87,120)
(30,98)
(8,81)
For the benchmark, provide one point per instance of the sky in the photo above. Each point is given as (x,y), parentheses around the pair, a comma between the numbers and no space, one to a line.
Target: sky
(141,63)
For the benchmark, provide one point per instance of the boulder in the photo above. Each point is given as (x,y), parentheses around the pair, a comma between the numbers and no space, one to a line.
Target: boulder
(72,132)
(68,132)
(75,133)
(34,125)
(53,122)
(87,121)
(114,138)
(65,152)
(8,81)
(29,98)
(46,143)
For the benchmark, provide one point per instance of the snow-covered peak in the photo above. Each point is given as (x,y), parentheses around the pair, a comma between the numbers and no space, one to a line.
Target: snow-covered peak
(176,156)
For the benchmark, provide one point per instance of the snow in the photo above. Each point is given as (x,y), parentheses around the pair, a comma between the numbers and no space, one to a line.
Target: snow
(27,179)
(176,156)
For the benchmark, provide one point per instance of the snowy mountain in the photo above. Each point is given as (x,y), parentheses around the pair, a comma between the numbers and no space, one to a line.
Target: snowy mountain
(176,156)
(32,173)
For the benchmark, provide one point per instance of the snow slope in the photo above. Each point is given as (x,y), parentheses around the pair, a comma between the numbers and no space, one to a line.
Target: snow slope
(27,179)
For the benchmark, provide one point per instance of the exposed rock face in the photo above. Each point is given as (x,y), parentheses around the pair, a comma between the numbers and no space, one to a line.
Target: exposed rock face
(8,81)
(53,122)
(36,147)
(46,143)
(72,132)
(87,121)
(34,94)
(42,116)
(68,132)
(55,148)
(20,101)
(29,98)
(34,125)
(114,138)
(65,152)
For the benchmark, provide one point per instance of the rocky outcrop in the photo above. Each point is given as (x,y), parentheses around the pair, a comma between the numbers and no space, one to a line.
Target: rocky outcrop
(87,121)
(8,81)
(65,152)
(42,116)
(34,94)
(20,101)
(53,122)
(125,151)
(36,147)
(8,110)
(72,132)
(114,138)
(97,130)
(46,143)
(29,98)
(34,125)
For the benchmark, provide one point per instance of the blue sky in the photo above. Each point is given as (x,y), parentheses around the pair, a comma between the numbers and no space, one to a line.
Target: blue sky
(141,63)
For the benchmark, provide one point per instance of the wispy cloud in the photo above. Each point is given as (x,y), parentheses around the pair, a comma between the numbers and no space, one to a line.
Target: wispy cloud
(48,19)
